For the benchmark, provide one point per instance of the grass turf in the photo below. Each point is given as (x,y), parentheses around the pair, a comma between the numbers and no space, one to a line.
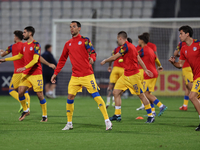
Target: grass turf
(175,129)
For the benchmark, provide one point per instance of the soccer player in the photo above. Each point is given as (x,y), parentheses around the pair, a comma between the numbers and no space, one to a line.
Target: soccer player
(32,72)
(116,73)
(148,57)
(154,48)
(187,75)
(15,81)
(82,55)
(131,78)
(191,53)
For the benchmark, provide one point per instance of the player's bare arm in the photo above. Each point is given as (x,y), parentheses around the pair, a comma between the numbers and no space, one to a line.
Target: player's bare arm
(178,64)
(110,59)
(176,53)
(42,60)
(3,53)
(148,72)
(53,78)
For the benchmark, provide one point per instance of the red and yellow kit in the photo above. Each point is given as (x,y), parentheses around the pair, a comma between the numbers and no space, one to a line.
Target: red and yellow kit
(131,79)
(15,49)
(29,50)
(119,61)
(79,49)
(192,55)
(148,57)
(186,69)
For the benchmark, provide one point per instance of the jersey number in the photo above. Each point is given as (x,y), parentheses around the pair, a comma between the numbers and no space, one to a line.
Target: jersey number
(93,85)
(39,82)
(135,87)
(197,85)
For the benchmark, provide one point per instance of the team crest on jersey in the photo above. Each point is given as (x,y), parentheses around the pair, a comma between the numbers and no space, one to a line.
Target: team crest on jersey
(31,48)
(185,52)
(70,44)
(194,48)
(24,49)
(79,43)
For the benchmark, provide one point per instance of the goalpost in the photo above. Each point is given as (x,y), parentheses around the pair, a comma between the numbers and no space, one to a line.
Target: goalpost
(103,34)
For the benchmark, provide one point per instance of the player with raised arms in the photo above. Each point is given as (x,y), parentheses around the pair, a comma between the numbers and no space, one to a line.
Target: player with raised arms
(130,79)
(191,53)
(82,55)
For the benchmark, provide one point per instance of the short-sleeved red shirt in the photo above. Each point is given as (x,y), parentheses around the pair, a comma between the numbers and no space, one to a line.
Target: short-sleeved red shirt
(129,54)
(116,62)
(15,49)
(29,50)
(192,55)
(148,57)
(180,45)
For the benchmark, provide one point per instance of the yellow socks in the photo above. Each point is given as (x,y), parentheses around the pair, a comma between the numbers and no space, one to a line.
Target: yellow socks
(101,104)
(27,98)
(43,105)
(70,110)
(23,103)
(118,110)
(148,109)
(186,99)
(152,108)
(14,94)
(158,103)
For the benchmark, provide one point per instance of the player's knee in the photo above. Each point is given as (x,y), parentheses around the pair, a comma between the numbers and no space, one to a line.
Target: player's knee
(116,93)
(70,96)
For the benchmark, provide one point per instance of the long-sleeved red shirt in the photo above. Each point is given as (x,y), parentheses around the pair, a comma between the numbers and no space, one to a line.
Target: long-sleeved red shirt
(79,49)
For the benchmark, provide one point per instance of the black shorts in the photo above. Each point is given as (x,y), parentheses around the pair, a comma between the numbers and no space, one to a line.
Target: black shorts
(47,78)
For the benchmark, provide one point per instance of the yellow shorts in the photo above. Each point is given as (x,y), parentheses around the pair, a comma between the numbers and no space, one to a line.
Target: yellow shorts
(32,80)
(187,75)
(196,86)
(142,75)
(76,83)
(149,84)
(116,73)
(133,83)
(15,80)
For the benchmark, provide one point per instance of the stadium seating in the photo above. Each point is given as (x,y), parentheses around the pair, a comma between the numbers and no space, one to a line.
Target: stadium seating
(39,13)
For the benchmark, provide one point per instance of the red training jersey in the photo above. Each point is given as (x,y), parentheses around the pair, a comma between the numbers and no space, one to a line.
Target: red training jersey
(29,50)
(148,57)
(129,54)
(180,45)
(79,49)
(151,45)
(15,49)
(192,55)
(116,62)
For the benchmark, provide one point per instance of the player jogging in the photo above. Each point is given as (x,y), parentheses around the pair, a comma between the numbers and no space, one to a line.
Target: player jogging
(116,73)
(187,76)
(154,48)
(82,55)
(131,78)
(148,57)
(32,72)
(191,53)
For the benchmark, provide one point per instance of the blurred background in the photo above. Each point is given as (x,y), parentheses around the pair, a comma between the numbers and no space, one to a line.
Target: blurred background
(17,14)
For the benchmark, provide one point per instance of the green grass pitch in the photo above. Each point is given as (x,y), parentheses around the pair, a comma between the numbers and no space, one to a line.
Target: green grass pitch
(174,130)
